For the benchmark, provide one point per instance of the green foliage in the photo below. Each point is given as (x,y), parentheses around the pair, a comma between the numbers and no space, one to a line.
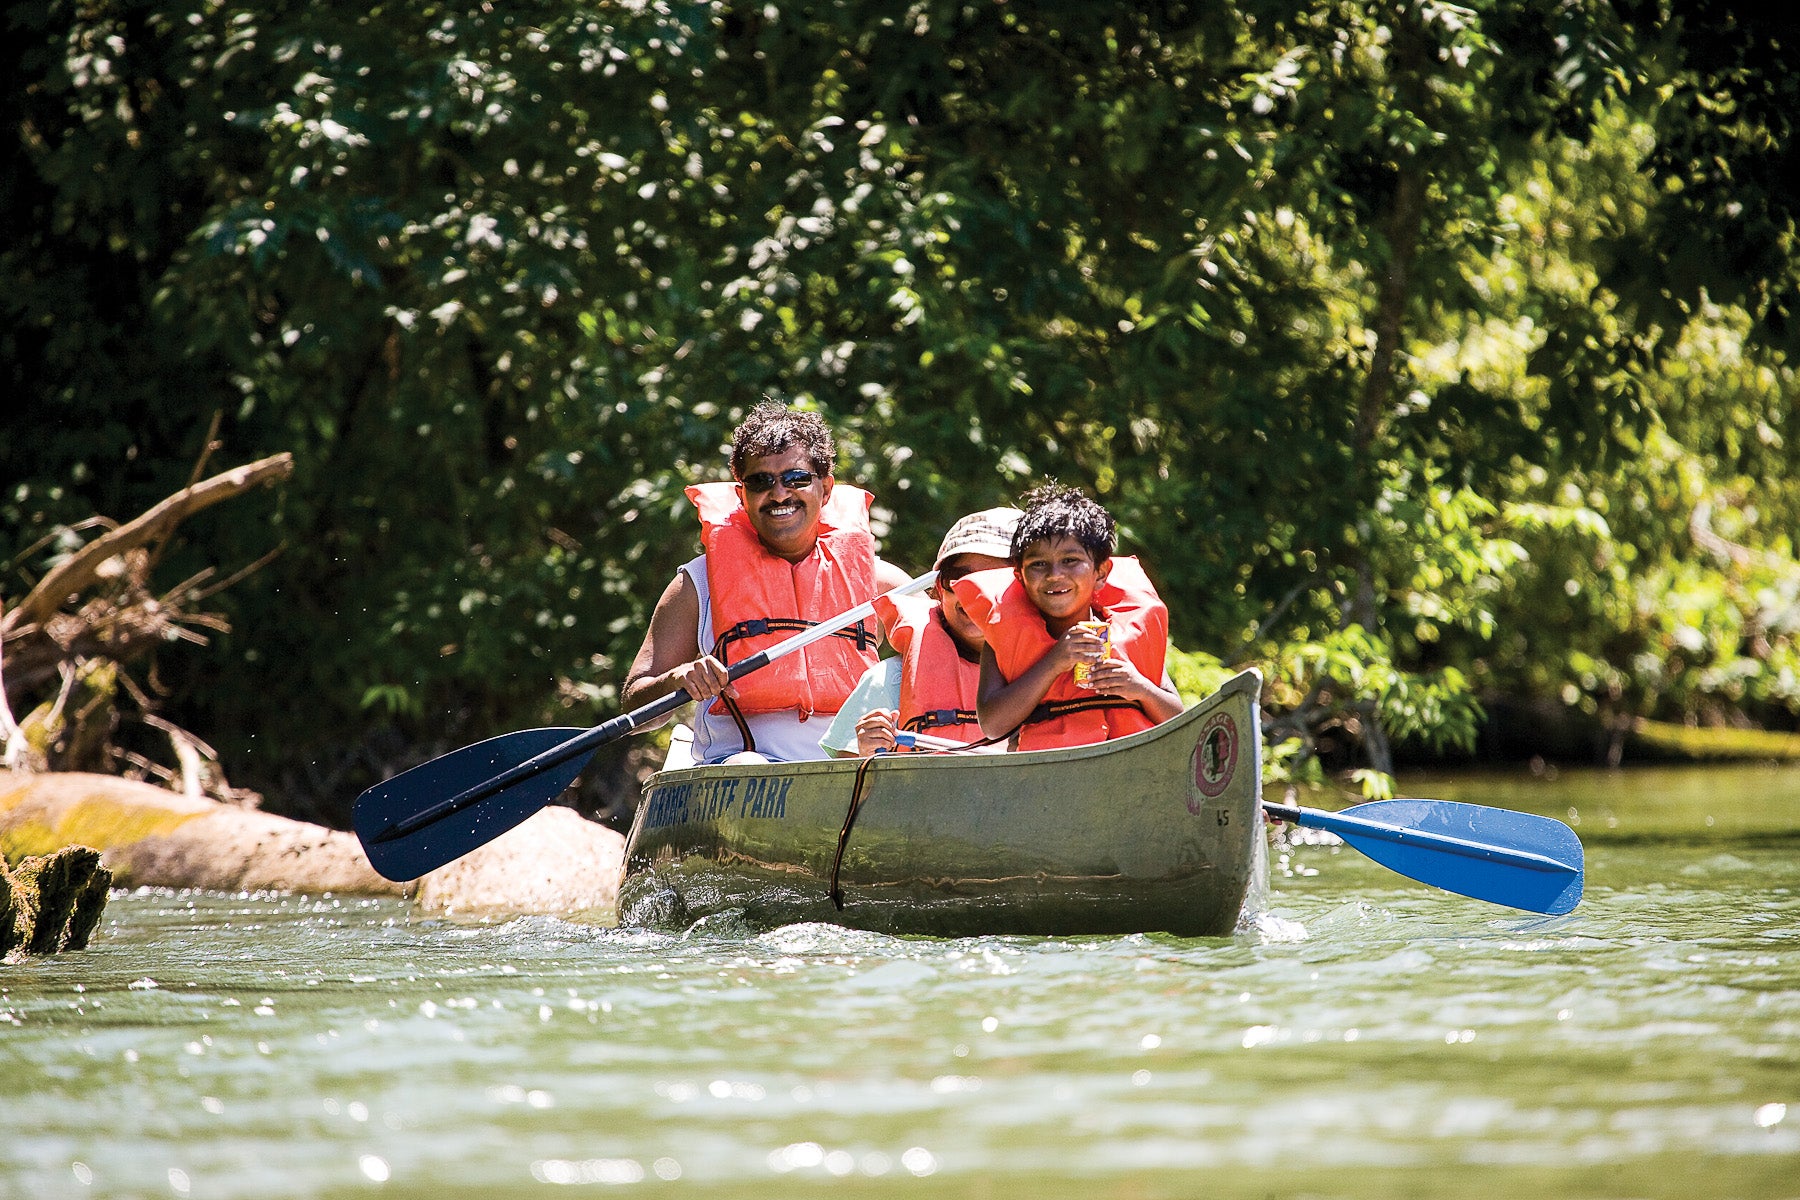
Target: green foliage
(1196,675)
(1404,342)
(1290,762)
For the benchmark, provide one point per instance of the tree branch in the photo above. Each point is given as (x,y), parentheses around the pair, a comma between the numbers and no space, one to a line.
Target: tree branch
(80,569)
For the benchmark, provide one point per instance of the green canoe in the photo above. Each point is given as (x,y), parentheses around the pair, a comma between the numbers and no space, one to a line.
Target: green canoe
(1153,832)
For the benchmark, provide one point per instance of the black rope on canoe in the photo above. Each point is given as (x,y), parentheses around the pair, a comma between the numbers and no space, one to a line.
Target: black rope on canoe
(857,794)
(860,791)
(718,652)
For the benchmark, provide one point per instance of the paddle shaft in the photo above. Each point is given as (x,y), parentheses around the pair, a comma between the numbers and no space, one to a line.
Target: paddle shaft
(1338,823)
(926,741)
(619,726)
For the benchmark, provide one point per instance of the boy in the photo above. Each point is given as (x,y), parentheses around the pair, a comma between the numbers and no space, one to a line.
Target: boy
(930,687)
(1068,602)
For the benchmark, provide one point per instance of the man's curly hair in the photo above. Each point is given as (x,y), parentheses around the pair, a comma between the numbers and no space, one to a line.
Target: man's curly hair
(772,427)
(1053,511)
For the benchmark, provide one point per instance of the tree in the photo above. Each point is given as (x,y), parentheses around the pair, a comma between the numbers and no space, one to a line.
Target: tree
(1271,280)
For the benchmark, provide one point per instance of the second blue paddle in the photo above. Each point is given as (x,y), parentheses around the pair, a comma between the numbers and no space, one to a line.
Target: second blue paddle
(1495,854)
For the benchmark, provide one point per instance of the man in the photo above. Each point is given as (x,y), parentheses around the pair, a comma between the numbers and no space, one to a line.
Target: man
(786,546)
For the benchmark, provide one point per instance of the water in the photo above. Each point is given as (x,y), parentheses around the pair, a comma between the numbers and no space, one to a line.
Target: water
(1365,1037)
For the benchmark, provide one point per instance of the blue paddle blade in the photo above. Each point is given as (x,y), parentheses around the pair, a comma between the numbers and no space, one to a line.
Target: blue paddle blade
(1493,854)
(382,812)
(1503,874)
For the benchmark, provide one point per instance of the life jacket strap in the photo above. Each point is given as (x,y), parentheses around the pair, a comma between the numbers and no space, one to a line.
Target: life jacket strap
(758,626)
(1052,709)
(941,718)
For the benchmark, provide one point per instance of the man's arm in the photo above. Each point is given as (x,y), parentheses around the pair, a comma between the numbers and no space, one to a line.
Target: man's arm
(670,658)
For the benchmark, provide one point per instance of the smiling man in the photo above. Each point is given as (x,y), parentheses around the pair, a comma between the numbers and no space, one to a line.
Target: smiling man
(786,547)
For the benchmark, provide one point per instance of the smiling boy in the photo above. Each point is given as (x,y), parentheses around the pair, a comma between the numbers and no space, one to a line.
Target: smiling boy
(1046,615)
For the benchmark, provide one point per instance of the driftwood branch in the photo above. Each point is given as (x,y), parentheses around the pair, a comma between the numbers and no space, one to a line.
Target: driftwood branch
(74,635)
(81,569)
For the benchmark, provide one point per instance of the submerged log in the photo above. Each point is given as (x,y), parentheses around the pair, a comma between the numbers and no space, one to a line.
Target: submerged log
(51,903)
(151,837)
(67,647)
(1698,743)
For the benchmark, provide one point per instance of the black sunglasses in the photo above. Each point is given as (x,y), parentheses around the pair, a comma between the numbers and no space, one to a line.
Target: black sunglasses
(793,480)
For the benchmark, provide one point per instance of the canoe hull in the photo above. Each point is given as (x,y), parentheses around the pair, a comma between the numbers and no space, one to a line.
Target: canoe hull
(1154,832)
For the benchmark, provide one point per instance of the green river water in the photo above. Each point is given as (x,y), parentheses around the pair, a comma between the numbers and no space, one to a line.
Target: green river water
(1362,1036)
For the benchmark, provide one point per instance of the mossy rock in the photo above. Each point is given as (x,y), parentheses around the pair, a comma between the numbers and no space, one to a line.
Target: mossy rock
(50,903)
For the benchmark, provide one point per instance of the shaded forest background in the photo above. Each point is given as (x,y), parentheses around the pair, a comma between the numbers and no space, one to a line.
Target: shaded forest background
(1436,358)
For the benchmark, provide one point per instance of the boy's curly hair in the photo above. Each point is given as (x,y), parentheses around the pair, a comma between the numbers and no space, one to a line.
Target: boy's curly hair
(772,427)
(1055,511)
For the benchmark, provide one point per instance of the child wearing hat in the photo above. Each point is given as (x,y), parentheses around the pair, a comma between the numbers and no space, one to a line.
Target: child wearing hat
(926,694)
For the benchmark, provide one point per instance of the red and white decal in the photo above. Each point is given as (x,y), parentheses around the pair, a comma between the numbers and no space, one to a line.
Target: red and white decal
(1215,757)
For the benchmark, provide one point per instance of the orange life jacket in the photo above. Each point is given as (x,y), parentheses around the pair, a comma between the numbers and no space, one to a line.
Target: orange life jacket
(1015,630)
(759,599)
(938,686)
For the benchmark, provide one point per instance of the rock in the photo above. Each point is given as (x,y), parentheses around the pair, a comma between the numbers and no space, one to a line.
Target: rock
(555,863)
